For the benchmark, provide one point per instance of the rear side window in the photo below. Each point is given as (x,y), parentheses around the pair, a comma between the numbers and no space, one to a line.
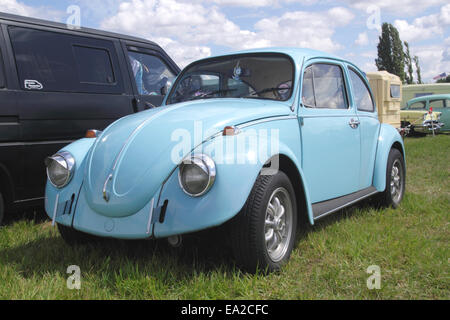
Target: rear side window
(361,93)
(437,103)
(324,82)
(94,65)
(51,61)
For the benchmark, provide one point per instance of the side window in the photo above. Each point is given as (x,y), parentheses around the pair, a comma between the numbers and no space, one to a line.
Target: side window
(2,72)
(436,103)
(418,105)
(361,93)
(52,61)
(150,73)
(326,84)
(308,89)
(94,65)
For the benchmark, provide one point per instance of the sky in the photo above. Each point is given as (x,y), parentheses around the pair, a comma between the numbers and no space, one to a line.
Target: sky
(192,29)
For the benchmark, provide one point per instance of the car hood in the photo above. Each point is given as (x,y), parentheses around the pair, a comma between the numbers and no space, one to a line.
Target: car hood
(133,156)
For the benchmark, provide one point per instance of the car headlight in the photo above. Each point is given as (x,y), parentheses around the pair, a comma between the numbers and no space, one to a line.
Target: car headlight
(197,174)
(60,168)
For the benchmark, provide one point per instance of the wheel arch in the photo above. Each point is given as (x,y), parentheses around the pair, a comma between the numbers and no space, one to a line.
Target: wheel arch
(388,138)
(295,175)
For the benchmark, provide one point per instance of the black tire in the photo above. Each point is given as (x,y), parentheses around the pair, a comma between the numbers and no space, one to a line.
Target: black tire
(75,237)
(2,209)
(249,228)
(394,192)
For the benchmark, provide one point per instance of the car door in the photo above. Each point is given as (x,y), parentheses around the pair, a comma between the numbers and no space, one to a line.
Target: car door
(329,132)
(11,160)
(150,70)
(362,101)
(440,105)
(67,82)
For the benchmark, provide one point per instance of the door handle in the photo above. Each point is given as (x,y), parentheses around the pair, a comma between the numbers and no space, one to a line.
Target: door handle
(354,123)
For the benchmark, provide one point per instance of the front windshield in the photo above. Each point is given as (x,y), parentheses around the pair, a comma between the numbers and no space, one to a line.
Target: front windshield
(262,76)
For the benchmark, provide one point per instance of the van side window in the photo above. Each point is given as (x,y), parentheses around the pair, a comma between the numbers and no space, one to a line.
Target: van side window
(361,93)
(325,83)
(2,72)
(94,65)
(57,62)
(150,73)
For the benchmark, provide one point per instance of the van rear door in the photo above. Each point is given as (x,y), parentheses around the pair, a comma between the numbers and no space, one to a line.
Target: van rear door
(68,82)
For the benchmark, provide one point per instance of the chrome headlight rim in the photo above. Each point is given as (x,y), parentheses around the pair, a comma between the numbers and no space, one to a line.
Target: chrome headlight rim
(65,159)
(204,162)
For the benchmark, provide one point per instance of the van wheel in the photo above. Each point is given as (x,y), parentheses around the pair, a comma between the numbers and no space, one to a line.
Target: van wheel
(263,233)
(2,209)
(74,237)
(395,180)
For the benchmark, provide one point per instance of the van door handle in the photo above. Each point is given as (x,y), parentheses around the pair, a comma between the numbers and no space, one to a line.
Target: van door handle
(354,123)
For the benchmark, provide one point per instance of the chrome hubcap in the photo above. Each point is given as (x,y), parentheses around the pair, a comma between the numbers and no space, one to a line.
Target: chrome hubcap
(396,181)
(278,224)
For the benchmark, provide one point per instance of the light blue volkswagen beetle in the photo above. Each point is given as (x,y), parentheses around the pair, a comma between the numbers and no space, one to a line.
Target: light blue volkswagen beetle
(256,140)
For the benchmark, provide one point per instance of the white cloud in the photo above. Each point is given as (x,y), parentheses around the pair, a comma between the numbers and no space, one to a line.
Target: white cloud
(433,59)
(305,29)
(363,39)
(188,29)
(401,7)
(424,27)
(16,7)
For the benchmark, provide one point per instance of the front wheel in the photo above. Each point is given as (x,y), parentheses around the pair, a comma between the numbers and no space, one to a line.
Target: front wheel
(263,233)
(395,180)
(2,209)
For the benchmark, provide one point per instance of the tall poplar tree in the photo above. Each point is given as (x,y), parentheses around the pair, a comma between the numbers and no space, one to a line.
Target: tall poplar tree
(390,51)
(408,62)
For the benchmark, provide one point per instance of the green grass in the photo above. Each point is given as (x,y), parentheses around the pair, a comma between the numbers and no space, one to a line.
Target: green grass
(410,244)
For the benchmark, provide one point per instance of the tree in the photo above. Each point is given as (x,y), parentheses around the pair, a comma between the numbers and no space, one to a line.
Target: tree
(390,51)
(408,63)
(445,80)
(416,62)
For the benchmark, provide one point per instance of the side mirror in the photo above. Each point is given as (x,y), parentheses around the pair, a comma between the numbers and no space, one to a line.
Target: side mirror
(166,88)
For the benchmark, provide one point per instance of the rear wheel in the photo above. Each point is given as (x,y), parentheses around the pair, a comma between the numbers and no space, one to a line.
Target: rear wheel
(74,237)
(263,233)
(395,180)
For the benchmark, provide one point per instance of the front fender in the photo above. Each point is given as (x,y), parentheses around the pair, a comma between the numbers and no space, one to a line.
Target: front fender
(236,174)
(387,137)
(65,199)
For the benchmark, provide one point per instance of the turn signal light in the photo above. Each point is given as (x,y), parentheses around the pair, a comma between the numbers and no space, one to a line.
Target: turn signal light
(231,131)
(92,133)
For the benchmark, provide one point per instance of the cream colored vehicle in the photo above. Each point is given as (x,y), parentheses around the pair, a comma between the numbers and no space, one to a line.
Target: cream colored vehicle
(387,91)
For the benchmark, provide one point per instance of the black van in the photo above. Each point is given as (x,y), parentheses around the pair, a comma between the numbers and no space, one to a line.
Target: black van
(56,83)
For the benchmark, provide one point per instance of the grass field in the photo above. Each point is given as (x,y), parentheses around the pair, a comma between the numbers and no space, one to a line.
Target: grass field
(410,245)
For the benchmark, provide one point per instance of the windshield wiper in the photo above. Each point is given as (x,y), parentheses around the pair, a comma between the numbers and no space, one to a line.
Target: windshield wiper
(206,94)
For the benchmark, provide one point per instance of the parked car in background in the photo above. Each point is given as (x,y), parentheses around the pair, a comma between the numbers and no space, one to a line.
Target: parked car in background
(55,83)
(254,141)
(411,91)
(416,115)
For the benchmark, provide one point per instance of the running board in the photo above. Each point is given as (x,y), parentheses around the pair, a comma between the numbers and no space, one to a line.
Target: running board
(324,208)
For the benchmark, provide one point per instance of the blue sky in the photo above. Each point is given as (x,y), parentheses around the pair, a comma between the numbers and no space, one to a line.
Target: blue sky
(192,29)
